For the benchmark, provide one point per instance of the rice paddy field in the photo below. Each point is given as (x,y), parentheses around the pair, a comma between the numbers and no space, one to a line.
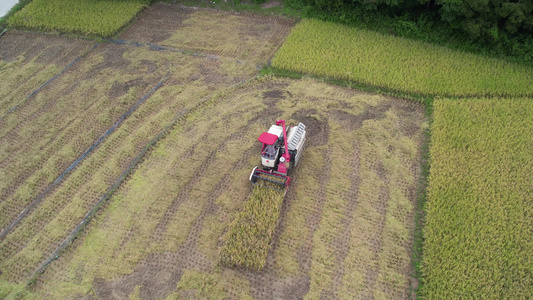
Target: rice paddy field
(477,223)
(397,64)
(124,161)
(164,228)
(479,215)
(89,17)
(122,175)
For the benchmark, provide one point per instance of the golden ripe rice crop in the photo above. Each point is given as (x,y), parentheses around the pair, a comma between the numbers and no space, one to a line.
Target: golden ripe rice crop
(479,214)
(250,235)
(90,17)
(366,57)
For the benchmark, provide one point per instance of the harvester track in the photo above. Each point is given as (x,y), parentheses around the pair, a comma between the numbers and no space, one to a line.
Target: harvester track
(179,119)
(66,172)
(34,92)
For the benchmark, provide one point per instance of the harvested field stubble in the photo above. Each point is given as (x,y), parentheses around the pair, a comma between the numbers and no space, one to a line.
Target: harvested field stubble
(29,60)
(170,216)
(479,224)
(79,106)
(251,38)
(26,247)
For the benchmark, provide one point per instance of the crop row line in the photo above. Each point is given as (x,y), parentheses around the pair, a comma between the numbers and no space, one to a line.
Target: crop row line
(157,47)
(129,170)
(43,194)
(32,94)
(344,53)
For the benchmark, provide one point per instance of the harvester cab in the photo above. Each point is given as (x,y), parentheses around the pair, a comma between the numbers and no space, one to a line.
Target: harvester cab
(280,152)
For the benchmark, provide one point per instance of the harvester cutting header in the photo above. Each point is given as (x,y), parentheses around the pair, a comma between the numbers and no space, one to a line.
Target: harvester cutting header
(279,154)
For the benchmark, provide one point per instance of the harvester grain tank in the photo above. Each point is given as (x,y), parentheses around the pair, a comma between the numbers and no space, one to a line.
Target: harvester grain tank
(281,151)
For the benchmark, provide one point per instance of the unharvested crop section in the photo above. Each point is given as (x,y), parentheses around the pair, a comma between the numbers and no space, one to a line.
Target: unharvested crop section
(371,58)
(249,237)
(252,38)
(479,220)
(161,233)
(91,17)
(27,61)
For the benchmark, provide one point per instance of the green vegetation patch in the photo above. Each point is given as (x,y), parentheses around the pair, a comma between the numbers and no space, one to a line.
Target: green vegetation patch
(342,52)
(479,214)
(90,17)
(250,235)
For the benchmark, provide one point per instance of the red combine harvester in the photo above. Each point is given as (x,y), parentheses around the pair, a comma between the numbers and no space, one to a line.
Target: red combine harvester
(279,154)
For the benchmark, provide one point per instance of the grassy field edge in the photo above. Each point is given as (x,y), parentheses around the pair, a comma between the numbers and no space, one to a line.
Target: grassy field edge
(17,7)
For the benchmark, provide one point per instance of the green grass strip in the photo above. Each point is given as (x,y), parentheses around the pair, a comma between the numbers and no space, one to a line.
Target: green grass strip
(371,58)
(89,17)
(249,236)
(479,223)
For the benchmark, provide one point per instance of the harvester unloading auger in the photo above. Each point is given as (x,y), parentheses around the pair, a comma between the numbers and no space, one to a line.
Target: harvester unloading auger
(280,153)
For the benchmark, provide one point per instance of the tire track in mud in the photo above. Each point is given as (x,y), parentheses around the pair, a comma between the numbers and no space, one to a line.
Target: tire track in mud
(313,222)
(343,239)
(372,273)
(72,166)
(161,227)
(156,47)
(33,93)
(178,119)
